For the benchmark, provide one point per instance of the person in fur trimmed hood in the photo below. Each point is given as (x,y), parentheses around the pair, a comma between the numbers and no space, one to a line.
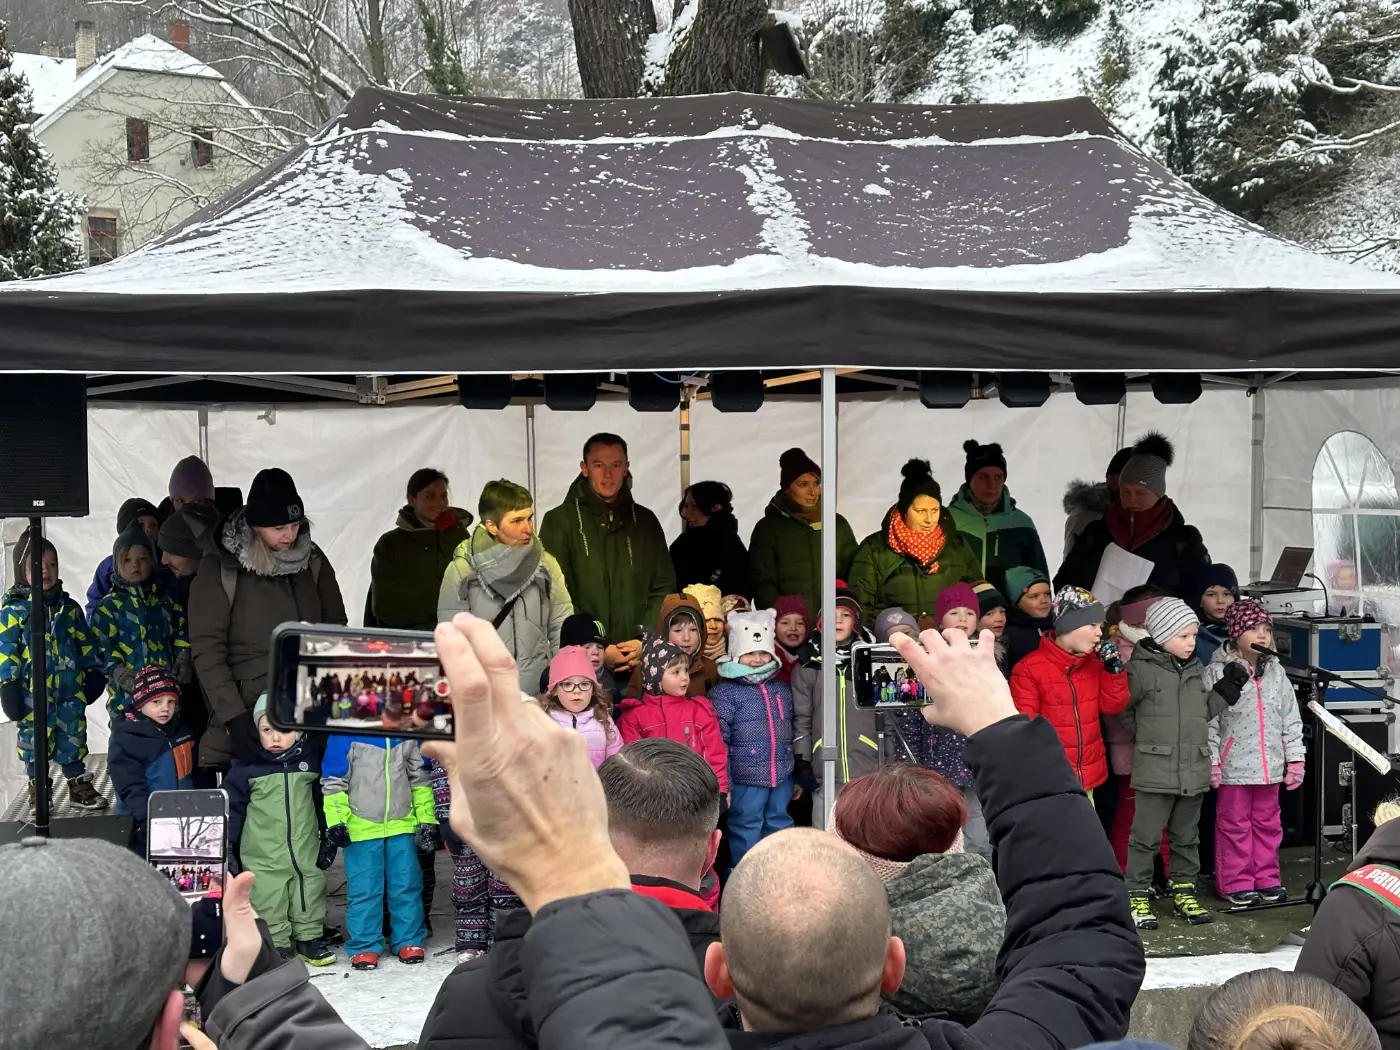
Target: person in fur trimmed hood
(1144,521)
(1088,501)
(260,569)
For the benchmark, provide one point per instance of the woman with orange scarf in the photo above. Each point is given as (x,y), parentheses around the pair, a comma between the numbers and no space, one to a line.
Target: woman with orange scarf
(916,554)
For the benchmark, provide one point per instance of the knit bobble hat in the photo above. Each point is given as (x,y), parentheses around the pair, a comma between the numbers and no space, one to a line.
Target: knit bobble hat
(846,599)
(979,456)
(1075,608)
(273,500)
(1244,614)
(892,618)
(794,463)
(958,596)
(572,661)
(793,605)
(153,682)
(1148,464)
(657,655)
(1168,617)
(918,481)
(989,598)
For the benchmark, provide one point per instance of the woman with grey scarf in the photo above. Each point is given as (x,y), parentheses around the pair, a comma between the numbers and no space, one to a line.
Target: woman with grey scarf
(502,573)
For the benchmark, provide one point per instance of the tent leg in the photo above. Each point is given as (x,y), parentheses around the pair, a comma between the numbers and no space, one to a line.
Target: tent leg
(685,439)
(830,718)
(204,433)
(530,476)
(1120,437)
(38,683)
(1256,480)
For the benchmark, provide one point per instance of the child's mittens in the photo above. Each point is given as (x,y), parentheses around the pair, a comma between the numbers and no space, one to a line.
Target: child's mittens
(1215,776)
(325,857)
(1235,676)
(124,678)
(1107,653)
(94,685)
(1293,776)
(12,701)
(428,839)
(338,835)
(184,667)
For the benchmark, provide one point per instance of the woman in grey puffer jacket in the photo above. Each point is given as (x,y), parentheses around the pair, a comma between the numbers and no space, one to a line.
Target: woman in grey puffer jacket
(502,574)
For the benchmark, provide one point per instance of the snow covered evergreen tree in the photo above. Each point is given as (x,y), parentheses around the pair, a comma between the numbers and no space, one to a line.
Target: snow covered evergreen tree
(1248,102)
(955,68)
(38,221)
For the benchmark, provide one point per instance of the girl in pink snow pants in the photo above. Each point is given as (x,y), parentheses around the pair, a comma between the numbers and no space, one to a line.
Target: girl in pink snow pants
(1255,746)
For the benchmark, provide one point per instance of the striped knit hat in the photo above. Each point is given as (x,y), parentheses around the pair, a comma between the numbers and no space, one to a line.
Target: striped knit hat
(153,682)
(1168,617)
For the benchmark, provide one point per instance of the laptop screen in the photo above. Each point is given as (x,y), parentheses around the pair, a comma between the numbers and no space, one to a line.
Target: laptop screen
(1292,563)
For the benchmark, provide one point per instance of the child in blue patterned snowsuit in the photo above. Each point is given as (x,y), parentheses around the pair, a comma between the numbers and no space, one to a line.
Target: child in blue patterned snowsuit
(72,669)
(754,708)
(136,623)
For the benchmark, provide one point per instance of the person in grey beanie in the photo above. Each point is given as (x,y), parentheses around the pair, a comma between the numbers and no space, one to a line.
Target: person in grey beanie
(1144,521)
(96,941)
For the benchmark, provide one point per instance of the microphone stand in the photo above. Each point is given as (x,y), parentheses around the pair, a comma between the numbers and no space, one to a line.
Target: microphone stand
(1325,722)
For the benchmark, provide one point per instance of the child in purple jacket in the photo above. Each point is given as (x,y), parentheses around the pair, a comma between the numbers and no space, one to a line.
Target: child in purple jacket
(576,700)
(754,707)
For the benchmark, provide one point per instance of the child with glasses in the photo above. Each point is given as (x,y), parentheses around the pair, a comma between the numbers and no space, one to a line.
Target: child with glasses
(576,700)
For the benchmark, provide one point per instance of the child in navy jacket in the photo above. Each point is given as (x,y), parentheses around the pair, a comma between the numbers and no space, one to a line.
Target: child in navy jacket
(150,749)
(754,708)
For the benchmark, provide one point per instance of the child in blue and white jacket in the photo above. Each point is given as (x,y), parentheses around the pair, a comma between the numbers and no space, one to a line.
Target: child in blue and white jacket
(754,707)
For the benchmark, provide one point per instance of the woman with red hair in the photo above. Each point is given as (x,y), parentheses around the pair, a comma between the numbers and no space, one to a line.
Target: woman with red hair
(944,903)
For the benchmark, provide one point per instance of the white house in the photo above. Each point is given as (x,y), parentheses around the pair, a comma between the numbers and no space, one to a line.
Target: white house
(145,135)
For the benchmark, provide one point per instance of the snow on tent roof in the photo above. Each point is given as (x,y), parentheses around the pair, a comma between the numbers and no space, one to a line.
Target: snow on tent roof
(419,233)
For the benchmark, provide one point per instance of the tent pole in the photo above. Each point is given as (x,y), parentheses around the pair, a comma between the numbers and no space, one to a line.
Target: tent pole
(204,433)
(1120,436)
(830,719)
(1256,479)
(530,477)
(39,681)
(685,439)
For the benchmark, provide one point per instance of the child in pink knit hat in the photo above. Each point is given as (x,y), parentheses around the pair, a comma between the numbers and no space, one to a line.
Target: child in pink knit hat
(576,701)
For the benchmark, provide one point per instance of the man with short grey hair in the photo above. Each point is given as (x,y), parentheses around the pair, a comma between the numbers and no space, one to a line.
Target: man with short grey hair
(663,816)
(95,944)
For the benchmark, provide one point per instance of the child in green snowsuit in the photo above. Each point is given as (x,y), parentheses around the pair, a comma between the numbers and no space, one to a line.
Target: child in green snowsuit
(273,822)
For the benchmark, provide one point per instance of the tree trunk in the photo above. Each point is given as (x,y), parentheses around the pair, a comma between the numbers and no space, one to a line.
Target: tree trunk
(374,38)
(719,51)
(610,38)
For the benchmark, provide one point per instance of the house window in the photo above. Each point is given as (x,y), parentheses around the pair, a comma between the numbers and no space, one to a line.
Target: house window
(138,140)
(202,147)
(103,245)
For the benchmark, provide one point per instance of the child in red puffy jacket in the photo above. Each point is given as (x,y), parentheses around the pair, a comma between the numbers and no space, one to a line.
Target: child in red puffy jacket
(664,709)
(1073,677)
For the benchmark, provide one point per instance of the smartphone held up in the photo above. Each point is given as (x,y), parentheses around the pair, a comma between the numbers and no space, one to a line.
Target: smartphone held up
(187,840)
(883,679)
(357,681)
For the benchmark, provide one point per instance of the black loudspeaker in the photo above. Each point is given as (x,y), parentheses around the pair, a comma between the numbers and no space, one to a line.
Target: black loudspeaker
(649,392)
(1099,388)
(737,391)
(1176,388)
(1023,389)
(570,391)
(945,389)
(43,446)
(485,390)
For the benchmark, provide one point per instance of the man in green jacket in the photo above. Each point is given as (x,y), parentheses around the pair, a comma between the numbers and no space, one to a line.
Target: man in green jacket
(613,553)
(1001,535)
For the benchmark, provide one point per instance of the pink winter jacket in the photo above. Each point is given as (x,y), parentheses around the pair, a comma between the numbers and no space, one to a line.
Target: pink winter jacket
(601,746)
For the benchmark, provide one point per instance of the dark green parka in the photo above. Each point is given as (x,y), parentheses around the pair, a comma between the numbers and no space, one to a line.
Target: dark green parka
(1168,712)
(884,579)
(406,571)
(785,556)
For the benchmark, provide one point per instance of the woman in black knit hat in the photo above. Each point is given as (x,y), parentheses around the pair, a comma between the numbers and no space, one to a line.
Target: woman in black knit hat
(1000,535)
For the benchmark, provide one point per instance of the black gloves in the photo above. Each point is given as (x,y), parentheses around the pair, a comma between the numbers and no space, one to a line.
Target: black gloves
(1108,655)
(1235,678)
(338,835)
(94,685)
(12,701)
(326,856)
(803,776)
(428,839)
(243,738)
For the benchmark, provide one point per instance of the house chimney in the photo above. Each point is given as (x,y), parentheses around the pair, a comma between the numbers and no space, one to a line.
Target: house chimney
(48,50)
(85,44)
(180,35)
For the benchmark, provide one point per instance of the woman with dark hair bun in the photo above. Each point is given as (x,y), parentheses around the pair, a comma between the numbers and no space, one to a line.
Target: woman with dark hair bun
(916,554)
(944,904)
(709,550)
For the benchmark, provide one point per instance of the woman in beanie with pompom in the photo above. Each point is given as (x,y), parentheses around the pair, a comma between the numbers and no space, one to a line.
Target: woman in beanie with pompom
(1143,521)
(785,551)
(998,533)
(260,569)
(917,552)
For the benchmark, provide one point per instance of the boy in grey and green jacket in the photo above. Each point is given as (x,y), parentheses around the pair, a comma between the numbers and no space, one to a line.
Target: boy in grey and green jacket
(379,809)
(276,835)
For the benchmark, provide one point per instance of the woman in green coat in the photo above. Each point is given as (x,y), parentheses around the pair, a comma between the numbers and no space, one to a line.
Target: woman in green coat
(409,561)
(785,551)
(916,554)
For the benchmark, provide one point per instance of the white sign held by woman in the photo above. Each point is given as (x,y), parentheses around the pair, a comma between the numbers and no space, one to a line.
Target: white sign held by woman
(1119,572)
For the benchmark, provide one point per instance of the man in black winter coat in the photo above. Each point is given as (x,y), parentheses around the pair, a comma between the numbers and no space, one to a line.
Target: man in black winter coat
(663,811)
(806,945)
